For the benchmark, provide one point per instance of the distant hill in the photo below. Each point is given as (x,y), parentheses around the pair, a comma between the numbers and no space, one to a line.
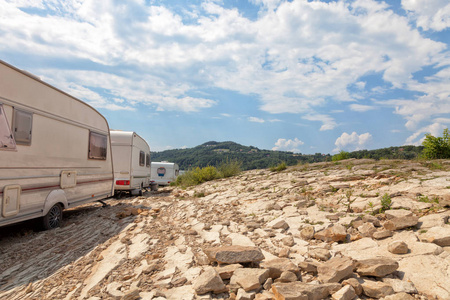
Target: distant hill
(213,153)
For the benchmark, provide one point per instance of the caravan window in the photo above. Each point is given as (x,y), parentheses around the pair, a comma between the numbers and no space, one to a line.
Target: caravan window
(6,138)
(147,160)
(22,124)
(97,145)
(142,158)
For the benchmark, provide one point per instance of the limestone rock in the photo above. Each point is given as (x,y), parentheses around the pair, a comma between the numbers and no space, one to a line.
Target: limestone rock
(347,292)
(398,247)
(376,289)
(209,281)
(234,254)
(307,233)
(377,267)
(382,234)
(437,235)
(250,278)
(226,271)
(399,219)
(278,266)
(280,224)
(367,229)
(335,269)
(309,267)
(336,233)
(320,254)
(399,296)
(131,295)
(243,295)
(288,241)
(355,284)
(287,276)
(401,286)
(299,290)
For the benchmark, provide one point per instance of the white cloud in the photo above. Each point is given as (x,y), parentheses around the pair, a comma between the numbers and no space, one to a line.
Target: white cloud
(288,145)
(361,108)
(328,122)
(255,120)
(429,14)
(352,142)
(298,55)
(418,136)
(226,115)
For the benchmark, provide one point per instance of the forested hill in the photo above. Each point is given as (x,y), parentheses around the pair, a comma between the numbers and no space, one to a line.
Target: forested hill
(213,153)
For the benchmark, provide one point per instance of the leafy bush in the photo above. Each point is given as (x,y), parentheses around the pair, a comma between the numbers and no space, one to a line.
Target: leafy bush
(229,168)
(386,203)
(436,147)
(280,167)
(340,156)
(199,175)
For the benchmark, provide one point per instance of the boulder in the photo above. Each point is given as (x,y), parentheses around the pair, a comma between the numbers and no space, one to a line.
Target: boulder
(347,292)
(382,234)
(278,266)
(226,271)
(234,254)
(377,267)
(209,281)
(335,269)
(437,235)
(336,233)
(376,289)
(399,219)
(320,254)
(367,229)
(304,291)
(398,247)
(307,233)
(250,278)
(287,276)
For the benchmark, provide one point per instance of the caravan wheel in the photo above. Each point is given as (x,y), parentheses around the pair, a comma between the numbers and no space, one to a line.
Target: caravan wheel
(53,218)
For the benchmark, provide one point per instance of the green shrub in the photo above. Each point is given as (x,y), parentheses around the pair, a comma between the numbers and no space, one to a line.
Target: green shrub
(386,203)
(197,176)
(280,167)
(436,147)
(229,168)
(340,156)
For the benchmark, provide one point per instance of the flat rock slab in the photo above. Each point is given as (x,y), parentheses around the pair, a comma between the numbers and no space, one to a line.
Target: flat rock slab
(377,267)
(303,291)
(437,235)
(250,278)
(234,254)
(278,266)
(376,289)
(335,269)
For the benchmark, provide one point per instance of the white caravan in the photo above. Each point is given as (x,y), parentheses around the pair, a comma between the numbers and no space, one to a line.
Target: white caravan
(131,159)
(54,150)
(163,173)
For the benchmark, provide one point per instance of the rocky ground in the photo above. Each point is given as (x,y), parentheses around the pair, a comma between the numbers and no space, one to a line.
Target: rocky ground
(357,229)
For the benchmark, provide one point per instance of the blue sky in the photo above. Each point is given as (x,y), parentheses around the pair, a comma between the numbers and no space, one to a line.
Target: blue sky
(302,76)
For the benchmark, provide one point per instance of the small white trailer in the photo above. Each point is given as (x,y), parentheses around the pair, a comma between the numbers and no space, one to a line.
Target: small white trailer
(55,150)
(163,173)
(131,159)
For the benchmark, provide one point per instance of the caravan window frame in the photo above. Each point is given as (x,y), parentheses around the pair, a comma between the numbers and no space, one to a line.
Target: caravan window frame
(142,158)
(20,117)
(147,160)
(7,141)
(93,137)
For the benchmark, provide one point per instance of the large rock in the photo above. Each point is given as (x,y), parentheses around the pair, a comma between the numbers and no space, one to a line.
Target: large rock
(345,293)
(226,271)
(377,267)
(307,232)
(335,269)
(401,286)
(250,278)
(398,247)
(336,233)
(367,229)
(234,254)
(437,235)
(429,273)
(399,219)
(376,289)
(433,220)
(303,291)
(278,266)
(209,281)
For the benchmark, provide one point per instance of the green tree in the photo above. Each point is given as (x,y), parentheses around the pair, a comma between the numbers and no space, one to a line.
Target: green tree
(436,147)
(341,155)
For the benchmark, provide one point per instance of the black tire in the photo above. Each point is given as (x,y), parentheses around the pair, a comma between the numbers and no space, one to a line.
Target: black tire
(53,218)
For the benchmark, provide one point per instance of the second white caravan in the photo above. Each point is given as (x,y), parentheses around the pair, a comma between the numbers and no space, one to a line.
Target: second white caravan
(131,159)
(163,173)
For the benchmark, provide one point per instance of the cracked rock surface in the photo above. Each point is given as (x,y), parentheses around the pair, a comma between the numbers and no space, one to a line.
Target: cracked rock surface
(356,229)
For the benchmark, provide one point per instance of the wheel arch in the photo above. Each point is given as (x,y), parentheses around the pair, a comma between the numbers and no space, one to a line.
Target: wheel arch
(54,197)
